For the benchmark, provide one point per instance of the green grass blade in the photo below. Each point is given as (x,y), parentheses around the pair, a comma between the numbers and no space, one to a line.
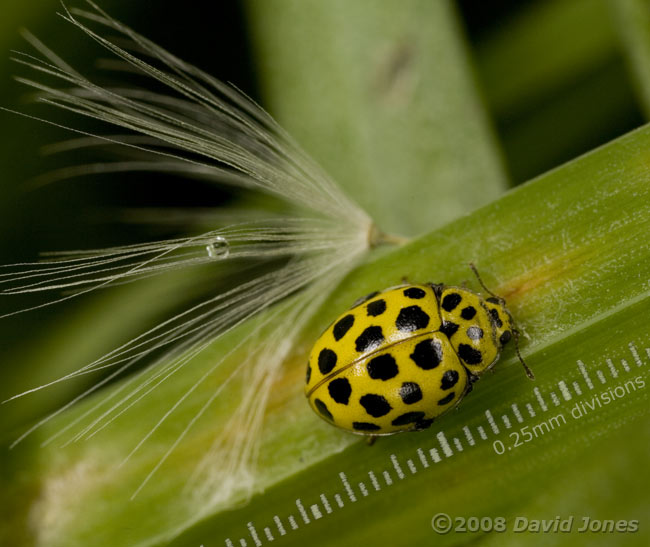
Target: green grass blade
(383,96)
(569,251)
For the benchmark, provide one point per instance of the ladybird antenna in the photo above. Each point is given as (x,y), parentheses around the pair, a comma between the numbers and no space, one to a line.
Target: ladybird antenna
(529,372)
(478,277)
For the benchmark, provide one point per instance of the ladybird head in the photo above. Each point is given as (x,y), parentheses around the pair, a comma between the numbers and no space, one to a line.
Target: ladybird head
(501,319)
(504,326)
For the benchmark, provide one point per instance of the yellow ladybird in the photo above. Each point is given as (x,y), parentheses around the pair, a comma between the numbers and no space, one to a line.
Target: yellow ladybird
(400,358)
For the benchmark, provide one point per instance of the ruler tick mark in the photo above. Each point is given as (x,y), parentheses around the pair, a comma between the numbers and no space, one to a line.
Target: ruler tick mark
(530,410)
(374,481)
(396,465)
(635,355)
(253,534)
(540,399)
(583,371)
(564,390)
(347,487)
(279,525)
(444,444)
(315,510)
(301,510)
(387,478)
(491,421)
(468,436)
(612,368)
(326,503)
(423,458)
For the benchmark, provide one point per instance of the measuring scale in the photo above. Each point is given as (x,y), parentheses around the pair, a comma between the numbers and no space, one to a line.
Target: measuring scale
(575,402)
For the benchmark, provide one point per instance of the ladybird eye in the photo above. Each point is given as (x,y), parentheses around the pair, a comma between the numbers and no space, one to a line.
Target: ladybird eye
(505,337)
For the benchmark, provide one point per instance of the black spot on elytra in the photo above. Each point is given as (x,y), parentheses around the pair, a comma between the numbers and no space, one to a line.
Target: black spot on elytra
(449,379)
(505,337)
(308,374)
(340,390)
(411,318)
(423,424)
(475,333)
(342,327)
(369,339)
(450,301)
(468,313)
(470,355)
(326,361)
(408,418)
(415,293)
(382,367)
(410,393)
(322,408)
(365,426)
(375,405)
(448,328)
(376,308)
(495,318)
(447,399)
(427,354)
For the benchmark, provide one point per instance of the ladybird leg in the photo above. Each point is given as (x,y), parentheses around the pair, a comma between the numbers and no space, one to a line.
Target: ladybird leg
(370,440)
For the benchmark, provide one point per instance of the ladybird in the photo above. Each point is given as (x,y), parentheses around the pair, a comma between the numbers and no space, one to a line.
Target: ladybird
(401,357)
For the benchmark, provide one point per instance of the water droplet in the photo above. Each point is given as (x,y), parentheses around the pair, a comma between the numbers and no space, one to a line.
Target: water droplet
(218,248)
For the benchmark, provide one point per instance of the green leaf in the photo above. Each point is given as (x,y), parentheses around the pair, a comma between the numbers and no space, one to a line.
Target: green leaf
(570,254)
(383,96)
